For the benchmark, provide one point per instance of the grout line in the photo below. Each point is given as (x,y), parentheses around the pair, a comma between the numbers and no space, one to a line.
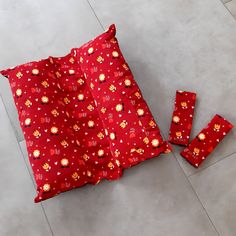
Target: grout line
(27,166)
(95,14)
(12,124)
(197,196)
(29,172)
(212,164)
(224,4)
(194,191)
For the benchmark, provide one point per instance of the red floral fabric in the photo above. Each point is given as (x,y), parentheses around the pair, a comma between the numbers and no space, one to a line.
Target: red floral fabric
(83,116)
(206,141)
(182,118)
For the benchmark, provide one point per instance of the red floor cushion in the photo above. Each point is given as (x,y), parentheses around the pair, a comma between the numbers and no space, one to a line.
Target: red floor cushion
(83,116)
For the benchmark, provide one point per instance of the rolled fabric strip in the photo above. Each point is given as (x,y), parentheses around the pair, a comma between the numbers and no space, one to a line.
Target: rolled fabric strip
(206,141)
(182,118)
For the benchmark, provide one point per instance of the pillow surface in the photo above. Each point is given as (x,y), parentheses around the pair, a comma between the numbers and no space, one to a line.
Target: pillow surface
(83,116)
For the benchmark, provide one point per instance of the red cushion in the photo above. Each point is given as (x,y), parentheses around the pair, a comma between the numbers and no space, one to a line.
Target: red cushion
(83,117)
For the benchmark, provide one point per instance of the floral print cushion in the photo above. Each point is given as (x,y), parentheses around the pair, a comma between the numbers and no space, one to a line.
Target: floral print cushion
(83,116)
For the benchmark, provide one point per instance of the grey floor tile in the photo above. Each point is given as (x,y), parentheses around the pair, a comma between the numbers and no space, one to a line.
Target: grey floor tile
(6,94)
(169,45)
(19,215)
(155,193)
(216,188)
(218,154)
(33,30)
(153,198)
(25,154)
(232,7)
(188,45)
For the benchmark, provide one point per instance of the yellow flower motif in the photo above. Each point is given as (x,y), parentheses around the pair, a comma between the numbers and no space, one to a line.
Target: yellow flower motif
(90,50)
(101,152)
(176,119)
(64,162)
(54,130)
(140,112)
(155,142)
(46,187)
(44,99)
(102,77)
(201,136)
(71,72)
(115,54)
(112,136)
(119,107)
(35,71)
(18,92)
(127,82)
(91,123)
(36,153)
(27,121)
(80,97)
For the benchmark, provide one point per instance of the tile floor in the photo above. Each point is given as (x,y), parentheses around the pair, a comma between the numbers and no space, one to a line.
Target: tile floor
(182,44)
(231,6)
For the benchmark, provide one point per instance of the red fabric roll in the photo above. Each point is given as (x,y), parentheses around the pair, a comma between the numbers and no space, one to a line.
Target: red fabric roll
(182,118)
(206,141)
